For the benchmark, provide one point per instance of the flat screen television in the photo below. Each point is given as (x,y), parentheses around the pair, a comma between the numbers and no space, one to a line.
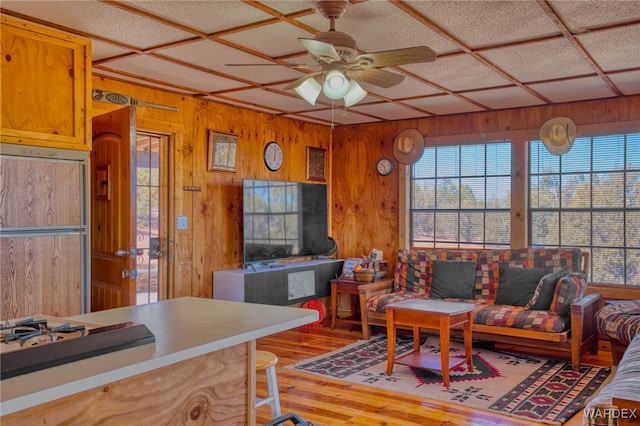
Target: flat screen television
(283,220)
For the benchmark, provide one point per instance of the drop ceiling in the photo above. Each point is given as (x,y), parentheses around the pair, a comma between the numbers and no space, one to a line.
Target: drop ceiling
(491,55)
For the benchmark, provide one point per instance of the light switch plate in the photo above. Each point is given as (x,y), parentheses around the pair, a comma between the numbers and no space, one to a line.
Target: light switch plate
(182,222)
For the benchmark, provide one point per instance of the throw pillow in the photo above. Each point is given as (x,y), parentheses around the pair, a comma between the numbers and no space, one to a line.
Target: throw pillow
(413,272)
(542,297)
(517,285)
(453,279)
(570,288)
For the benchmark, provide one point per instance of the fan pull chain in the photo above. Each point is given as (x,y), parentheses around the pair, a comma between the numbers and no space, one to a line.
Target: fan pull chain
(332,125)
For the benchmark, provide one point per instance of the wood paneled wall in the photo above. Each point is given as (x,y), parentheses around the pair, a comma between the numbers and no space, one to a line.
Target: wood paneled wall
(213,240)
(364,207)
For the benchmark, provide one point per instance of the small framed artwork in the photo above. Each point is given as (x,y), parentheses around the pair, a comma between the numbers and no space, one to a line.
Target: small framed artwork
(316,164)
(349,264)
(223,148)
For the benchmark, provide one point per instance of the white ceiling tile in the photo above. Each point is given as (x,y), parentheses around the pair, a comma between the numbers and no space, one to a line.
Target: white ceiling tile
(486,23)
(585,14)
(442,105)
(206,16)
(627,82)
(207,54)
(337,116)
(539,61)
(106,73)
(458,72)
(559,91)
(388,111)
(290,6)
(240,104)
(157,69)
(285,103)
(100,50)
(410,87)
(273,40)
(615,49)
(508,97)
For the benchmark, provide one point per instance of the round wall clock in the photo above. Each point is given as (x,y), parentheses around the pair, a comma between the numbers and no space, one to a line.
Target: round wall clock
(384,166)
(273,156)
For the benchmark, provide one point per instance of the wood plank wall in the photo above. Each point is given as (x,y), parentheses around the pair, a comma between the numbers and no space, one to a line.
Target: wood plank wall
(364,207)
(213,240)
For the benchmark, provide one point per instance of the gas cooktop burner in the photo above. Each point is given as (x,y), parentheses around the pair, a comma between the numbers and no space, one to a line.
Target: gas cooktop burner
(34,344)
(36,331)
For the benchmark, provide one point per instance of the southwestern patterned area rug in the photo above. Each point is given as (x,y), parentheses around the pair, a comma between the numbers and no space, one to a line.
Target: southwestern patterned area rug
(519,385)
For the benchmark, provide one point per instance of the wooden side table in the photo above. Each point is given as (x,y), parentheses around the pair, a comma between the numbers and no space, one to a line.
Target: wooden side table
(347,285)
(433,314)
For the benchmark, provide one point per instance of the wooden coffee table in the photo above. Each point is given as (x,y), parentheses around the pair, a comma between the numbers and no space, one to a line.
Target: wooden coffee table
(430,314)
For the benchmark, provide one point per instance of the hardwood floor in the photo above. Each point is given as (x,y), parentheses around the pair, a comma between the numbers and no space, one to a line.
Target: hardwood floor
(333,402)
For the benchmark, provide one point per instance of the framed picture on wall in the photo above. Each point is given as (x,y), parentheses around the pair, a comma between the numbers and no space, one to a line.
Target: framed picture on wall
(349,264)
(316,164)
(223,148)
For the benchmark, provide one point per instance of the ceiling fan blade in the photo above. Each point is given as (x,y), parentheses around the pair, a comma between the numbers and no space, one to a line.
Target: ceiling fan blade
(389,58)
(301,80)
(307,67)
(375,76)
(321,50)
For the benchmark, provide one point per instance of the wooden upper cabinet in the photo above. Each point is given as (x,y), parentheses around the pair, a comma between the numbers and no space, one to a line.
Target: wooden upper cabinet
(46,93)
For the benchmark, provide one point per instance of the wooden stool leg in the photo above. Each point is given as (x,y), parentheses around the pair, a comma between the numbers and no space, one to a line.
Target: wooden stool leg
(267,361)
(272,384)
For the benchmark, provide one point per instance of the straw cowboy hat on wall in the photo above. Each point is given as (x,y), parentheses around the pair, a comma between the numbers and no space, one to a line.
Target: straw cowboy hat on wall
(558,134)
(408,146)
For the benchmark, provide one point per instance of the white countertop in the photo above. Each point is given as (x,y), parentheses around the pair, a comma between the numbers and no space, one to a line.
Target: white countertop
(184,328)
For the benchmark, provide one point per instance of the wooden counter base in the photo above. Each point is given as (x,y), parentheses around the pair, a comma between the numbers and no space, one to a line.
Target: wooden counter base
(209,389)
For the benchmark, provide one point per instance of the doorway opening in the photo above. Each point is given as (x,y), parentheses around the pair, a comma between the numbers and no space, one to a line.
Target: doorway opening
(152,194)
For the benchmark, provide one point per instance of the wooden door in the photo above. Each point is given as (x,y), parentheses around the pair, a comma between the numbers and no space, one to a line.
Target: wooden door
(113,210)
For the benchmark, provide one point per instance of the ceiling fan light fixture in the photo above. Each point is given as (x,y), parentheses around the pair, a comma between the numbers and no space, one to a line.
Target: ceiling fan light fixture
(309,90)
(335,85)
(355,94)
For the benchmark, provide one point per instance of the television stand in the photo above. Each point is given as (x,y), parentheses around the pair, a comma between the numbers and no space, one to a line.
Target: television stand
(277,284)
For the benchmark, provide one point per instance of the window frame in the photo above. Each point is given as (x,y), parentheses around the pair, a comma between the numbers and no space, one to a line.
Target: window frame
(563,169)
(459,177)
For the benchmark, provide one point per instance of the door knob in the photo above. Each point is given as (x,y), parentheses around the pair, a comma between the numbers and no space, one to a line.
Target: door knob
(154,251)
(133,274)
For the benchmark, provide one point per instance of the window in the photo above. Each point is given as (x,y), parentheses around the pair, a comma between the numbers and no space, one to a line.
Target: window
(461,196)
(590,198)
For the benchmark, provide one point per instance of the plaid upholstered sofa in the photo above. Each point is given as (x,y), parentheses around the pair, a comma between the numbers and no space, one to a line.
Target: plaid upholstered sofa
(528,297)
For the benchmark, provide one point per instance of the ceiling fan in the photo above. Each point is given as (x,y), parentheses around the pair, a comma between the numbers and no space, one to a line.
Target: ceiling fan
(339,67)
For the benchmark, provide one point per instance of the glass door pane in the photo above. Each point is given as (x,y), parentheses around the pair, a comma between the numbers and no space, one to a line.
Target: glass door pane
(151,233)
